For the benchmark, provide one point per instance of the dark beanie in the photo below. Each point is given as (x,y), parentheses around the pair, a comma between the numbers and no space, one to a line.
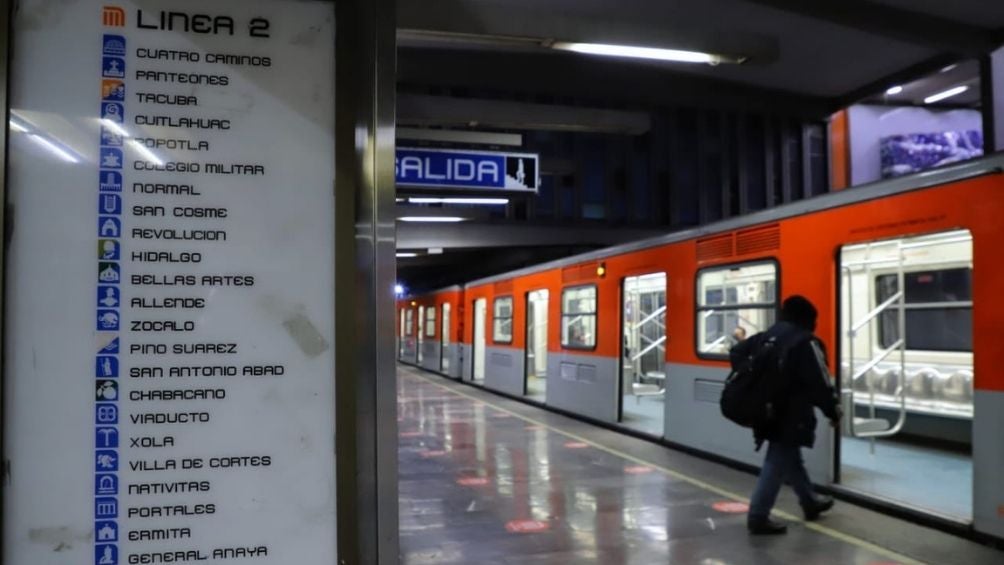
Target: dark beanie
(798,310)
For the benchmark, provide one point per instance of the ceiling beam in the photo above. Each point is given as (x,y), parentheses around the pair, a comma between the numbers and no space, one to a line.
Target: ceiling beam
(418,110)
(895,23)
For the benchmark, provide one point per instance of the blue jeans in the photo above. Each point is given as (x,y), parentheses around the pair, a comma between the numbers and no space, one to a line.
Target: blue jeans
(783,462)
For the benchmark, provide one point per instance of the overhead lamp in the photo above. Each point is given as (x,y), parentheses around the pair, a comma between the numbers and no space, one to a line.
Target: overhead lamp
(652,53)
(398,289)
(894,90)
(945,94)
(458,200)
(431,219)
(406,254)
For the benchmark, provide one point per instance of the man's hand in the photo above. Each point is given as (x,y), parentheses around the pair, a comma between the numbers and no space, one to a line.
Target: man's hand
(839,411)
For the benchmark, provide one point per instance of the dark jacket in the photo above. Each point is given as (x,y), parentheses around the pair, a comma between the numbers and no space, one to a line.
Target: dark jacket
(806,386)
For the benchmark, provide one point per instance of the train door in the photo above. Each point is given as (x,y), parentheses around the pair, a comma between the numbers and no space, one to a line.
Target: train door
(643,352)
(401,337)
(478,353)
(536,344)
(421,334)
(444,341)
(409,329)
(906,379)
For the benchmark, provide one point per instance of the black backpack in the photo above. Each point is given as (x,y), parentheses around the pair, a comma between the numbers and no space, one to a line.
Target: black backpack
(753,388)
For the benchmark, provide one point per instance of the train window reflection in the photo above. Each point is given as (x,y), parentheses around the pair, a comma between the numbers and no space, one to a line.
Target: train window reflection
(502,320)
(578,317)
(939,310)
(734,302)
(409,319)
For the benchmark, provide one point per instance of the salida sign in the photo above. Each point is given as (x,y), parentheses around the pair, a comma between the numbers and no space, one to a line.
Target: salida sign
(474,170)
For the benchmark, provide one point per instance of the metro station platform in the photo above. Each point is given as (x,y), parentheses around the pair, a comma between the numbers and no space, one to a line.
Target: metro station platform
(488,480)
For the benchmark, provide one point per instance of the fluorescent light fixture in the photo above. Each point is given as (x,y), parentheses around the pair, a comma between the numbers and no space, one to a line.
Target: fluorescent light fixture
(432,219)
(17,127)
(436,200)
(52,148)
(894,90)
(406,254)
(676,55)
(145,152)
(949,67)
(945,94)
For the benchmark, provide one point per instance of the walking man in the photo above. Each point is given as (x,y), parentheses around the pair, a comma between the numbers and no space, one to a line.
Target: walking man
(806,387)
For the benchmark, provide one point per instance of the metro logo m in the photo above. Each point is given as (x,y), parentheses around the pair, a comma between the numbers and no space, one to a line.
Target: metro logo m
(113,16)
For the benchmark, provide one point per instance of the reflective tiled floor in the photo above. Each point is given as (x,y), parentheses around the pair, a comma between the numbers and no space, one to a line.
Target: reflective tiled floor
(486,480)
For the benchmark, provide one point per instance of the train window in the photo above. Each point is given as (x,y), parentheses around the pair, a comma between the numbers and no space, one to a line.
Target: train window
(939,310)
(578,317)
(430,322)
(409,319)
(502,320)
(734,302)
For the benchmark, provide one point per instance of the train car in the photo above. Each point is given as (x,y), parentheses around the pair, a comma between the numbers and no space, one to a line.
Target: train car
(637,336)
(429,331)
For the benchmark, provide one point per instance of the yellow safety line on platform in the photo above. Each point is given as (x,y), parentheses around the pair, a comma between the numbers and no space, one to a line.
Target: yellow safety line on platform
(847,538)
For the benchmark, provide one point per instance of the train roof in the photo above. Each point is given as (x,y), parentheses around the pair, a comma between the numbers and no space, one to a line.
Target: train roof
(993,164)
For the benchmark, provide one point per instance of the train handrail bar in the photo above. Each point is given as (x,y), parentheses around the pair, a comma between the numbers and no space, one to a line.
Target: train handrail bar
(654,344)
(874,313)
(878,359)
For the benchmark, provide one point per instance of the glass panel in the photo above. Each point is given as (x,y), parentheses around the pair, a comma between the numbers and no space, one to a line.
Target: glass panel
(578,317)
(430,322)
(409,316)
(722,321)
(502,320)
(929,329)
(446,325)
(749,284)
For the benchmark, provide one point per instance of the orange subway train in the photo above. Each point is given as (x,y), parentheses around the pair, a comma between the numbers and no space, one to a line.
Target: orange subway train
(636,336)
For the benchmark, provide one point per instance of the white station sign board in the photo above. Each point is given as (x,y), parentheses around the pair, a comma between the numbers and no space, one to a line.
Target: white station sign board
(169,377)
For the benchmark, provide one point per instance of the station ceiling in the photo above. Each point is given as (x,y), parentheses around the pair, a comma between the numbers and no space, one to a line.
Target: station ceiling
(823,51)
(804,58)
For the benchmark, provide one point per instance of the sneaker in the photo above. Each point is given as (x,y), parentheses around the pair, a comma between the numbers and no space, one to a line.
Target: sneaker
(820,505)
(765,527)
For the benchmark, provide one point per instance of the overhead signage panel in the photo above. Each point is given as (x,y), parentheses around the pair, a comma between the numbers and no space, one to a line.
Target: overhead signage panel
(169,377)
(464,169)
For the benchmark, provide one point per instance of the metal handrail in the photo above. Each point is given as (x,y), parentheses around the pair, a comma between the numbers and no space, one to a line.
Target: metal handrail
(874,313)
(900,344)
(649,318)
(878,359)
(654,344)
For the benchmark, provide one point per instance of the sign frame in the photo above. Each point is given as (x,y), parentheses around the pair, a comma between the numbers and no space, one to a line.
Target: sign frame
(441,175)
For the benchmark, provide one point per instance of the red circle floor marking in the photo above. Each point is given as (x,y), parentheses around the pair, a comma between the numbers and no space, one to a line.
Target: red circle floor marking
(472,482)
(527,526)
(432,453)
(638,470)
(576,445)
(731,507)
